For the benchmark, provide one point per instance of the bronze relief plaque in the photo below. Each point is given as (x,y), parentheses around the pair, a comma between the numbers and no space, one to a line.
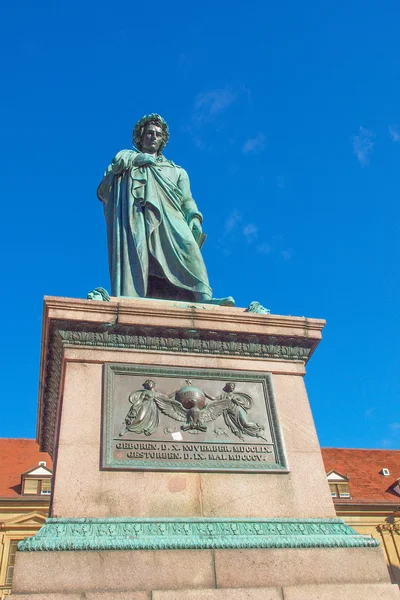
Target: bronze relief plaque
(164,418)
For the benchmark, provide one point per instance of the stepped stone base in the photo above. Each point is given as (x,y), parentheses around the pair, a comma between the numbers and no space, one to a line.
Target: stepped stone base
(351,591)
(53,573)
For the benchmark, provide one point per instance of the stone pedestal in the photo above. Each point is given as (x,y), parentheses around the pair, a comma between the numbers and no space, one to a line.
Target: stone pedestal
(259,528)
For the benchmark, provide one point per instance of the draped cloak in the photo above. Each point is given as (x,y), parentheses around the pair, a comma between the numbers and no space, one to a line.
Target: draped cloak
(147,211)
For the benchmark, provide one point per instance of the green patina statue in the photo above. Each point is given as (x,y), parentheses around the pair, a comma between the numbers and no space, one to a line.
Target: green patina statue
(154,227)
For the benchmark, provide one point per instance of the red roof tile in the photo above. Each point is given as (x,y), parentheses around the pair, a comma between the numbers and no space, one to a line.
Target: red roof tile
(363,468)
(16,457)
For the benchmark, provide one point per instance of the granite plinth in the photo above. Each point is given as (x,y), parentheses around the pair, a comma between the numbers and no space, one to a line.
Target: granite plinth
(81,337)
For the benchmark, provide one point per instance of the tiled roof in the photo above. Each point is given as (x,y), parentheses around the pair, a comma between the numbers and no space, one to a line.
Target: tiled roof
(16,457)
(363,468)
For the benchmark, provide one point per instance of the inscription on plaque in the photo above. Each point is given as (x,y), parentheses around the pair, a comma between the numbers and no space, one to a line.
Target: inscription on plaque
(186,420)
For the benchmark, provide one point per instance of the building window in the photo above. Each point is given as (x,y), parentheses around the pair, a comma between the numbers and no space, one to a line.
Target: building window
(11,561)
(45,487)
(340,490)
(31,486)
(37,487)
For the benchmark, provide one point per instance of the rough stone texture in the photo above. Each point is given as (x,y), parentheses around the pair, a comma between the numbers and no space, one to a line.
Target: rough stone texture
(77,571)
(226,594)
(260,568)
(308,592)
(87,596)
(74,572)
(275,495)
(294,410)
(304,592)
(369,591)
(81,407)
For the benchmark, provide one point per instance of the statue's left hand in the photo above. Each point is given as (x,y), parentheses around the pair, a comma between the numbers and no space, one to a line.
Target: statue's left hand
(195,224)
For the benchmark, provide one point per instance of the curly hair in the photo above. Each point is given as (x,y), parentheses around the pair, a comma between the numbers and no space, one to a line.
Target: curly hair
(138,131)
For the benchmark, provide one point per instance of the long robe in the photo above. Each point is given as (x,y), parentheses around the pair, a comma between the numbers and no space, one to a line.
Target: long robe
(143,414)
(147,212)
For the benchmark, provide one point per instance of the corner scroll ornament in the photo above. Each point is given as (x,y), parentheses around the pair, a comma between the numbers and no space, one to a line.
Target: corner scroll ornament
(189,405)
(257,308)
(99,294)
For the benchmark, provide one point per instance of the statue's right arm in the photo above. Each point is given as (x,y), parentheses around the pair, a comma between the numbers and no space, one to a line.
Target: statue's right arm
(124,160)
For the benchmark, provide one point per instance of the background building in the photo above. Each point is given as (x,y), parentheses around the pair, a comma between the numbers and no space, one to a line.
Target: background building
(25,491)
(365,487)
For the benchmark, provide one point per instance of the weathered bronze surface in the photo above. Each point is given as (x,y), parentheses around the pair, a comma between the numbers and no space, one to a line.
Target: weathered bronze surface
(181,419)
(154,226)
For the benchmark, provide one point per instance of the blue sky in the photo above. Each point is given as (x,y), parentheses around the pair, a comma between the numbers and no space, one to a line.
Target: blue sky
(286,117)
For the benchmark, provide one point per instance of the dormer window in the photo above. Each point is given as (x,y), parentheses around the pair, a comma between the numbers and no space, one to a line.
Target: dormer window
(338,485)
(340,490)
(37,481)
(37,487)
(30,486)
(45,487)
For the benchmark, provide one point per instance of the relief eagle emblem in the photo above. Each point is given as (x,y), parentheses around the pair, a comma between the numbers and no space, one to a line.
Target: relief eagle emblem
(189,405)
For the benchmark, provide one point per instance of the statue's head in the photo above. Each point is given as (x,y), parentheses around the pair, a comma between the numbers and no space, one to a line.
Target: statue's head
(149,384)
(153,123)
(229,387)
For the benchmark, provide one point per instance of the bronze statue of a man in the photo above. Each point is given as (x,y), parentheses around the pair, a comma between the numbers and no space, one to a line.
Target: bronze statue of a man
(153,224)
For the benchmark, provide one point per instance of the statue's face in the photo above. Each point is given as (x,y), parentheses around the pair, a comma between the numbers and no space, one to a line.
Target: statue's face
(152,139)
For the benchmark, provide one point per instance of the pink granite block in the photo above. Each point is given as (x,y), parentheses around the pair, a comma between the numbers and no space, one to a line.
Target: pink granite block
(301,493)
(294,567)
(295,415)
(84,595)
(119,493)
(221,594)
(112,571)
(350,591)
(81,407)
